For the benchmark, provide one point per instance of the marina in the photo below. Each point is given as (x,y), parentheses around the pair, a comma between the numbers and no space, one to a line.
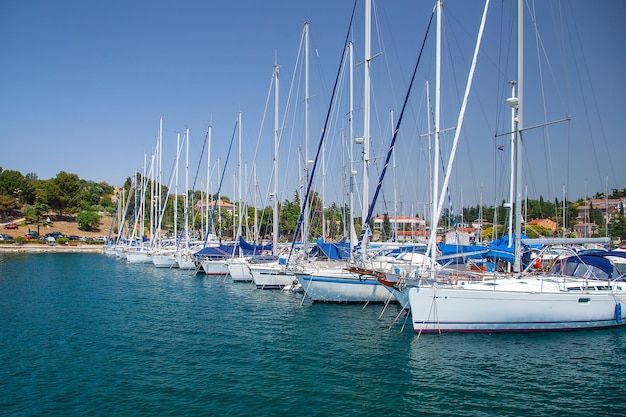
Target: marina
(87,334)
(421,216)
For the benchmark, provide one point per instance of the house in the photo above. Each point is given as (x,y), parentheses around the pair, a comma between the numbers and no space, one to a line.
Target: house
(409,228)
(224,206)
(610,208)
(545,223)
(584,230)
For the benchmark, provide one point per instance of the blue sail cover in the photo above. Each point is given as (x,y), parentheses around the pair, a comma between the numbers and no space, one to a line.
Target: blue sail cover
(216,252)
(332,251)
(250,249)
(460,250)
(228,251)
(499,249)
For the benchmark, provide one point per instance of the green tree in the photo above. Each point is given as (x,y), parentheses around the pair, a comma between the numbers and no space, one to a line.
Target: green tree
(13,184)
(88,220)
(49,193)
(289,213)
(7,203)
(617,227)
(386,226)
(69,187)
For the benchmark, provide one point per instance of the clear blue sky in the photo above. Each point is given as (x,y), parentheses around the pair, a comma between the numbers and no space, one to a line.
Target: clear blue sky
(84,83)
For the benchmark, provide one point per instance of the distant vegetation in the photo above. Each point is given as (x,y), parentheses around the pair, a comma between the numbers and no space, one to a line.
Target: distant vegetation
(67,194)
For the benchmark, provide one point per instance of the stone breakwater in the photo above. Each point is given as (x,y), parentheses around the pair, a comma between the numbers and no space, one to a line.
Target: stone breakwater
(29,248)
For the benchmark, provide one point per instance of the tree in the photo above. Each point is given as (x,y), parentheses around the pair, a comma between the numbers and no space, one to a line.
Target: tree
(289,213)
(13,184)
(88,220)
(7,203)
(386,226)
(69,191)
(618,227)
(49,193)
(34,214)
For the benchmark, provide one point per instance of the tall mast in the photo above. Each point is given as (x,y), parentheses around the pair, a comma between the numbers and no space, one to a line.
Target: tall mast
(517,267)
(395,185)
(187,189)
(352,232)
(159,182)
(324,231)
(366,113)
(276,138)
(512,181)
(435,157)
(176,237)
(239,196)
(208,180)
(219,202)
(305,229)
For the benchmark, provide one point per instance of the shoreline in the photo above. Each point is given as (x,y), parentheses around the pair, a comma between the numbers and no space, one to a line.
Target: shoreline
(29,248)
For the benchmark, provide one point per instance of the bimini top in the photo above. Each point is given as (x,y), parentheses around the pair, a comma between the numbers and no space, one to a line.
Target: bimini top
(592,265)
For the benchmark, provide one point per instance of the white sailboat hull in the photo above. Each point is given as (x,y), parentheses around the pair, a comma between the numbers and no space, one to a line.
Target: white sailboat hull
(138,256)
(239,270)
(271,277)
(542,306)
(341,286)
(164,260)
(185,260)
(215,267)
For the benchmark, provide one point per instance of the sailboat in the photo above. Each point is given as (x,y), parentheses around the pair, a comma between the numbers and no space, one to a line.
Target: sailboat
(519,302)
(213,255)
(163,254)
(270,273)
(139,253)
(353,281)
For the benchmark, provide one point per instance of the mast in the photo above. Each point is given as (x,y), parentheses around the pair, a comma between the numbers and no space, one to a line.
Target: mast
(187,190)
(255,234)
(564,214)
(353,238)
(435,180)
(324,231)
(395,186)
(305,228)
(276,139)
(176,190)
(218,197)
(514,105)
(208,180)
(143,201)
(366,114)
(239,196)
(517,267)
(160,181)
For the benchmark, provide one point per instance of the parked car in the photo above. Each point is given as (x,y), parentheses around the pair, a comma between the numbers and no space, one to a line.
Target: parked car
(11,226)
(53,235)
(5,238)
(33,235)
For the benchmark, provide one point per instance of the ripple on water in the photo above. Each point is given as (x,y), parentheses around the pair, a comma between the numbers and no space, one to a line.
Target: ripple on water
(85,334)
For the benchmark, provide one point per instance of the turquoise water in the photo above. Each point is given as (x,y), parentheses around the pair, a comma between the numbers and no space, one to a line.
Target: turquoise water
(83,334)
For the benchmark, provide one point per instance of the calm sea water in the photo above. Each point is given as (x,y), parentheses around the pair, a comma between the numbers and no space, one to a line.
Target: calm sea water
(83,334)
